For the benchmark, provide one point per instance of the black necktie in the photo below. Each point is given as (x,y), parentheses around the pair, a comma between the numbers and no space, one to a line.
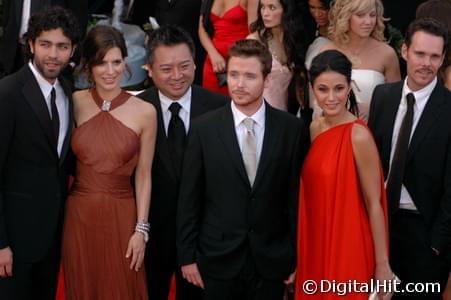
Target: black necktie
(55,115)
(176,137)
(397,168)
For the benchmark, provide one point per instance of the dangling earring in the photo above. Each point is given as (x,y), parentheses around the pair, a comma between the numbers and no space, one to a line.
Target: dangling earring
(348,100)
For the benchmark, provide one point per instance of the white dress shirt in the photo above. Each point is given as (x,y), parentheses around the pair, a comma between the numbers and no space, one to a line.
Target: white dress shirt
(259,126)
(421,99)
(62,103)
(184,113)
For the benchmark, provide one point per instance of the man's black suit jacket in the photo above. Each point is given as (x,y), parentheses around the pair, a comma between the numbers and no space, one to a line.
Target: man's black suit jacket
(165,184)
(428,166)
(33,180)
(220,217)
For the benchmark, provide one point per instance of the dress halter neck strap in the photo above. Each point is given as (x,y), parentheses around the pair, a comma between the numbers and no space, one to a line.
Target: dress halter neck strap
(107,105)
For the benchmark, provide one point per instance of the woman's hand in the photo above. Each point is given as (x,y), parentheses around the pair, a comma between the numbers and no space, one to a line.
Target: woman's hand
(136,248)
(217,61)
(384,273)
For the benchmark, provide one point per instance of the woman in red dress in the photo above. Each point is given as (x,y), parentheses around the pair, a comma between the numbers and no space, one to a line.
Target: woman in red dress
(342,230)
(222,23)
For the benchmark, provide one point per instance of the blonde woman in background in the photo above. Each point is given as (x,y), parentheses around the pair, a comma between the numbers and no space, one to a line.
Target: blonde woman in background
(357,30)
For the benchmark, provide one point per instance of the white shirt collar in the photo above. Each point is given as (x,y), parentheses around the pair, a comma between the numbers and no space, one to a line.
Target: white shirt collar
(258,116)
(184,101)
(422,95)
(45,86)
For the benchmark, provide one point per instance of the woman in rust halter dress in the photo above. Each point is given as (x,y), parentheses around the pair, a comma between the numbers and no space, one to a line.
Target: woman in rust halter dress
(342,232)
(222,23)
(105,230)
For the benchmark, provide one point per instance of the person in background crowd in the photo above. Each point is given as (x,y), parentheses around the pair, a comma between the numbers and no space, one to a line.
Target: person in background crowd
(221,23)
(342,189)
(440,10)
(411,124)
(35,131)
(106,223)
(178,102)
(319,11)
(278,27)
(319,14)
(356,29)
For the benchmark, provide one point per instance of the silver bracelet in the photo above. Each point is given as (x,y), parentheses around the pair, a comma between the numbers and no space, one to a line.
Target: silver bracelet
(143,226)
(145,233)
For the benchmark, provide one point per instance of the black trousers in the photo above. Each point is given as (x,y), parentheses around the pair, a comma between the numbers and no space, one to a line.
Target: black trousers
(248,285)
(412,258)
(33,281)
(160,269)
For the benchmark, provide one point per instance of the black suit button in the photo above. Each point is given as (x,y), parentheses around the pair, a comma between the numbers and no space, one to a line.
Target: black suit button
(251,230)
(252,199)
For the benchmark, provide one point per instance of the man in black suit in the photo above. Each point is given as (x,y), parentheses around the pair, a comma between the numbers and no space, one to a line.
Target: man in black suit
(411,122)
(183,13)
(171,66)
(35,127)
(236,216)
(15,17)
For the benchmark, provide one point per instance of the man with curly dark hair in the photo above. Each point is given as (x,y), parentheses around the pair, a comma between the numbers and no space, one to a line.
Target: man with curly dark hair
(35,126)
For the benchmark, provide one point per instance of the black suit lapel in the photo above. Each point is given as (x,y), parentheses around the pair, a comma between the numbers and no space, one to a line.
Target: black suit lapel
(271,136)
(161,143)
(389,114)
(427,119)
(197,107)
(70,121)
(228,136)
(35,99)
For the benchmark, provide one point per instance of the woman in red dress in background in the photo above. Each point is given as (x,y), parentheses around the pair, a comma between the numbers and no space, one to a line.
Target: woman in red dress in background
(222,22)
(342,232)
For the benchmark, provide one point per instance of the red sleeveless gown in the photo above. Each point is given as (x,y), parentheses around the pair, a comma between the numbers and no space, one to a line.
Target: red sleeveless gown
(334,235)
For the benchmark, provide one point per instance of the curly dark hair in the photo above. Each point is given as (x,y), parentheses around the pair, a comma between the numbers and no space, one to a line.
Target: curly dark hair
(50,18)
(294,43)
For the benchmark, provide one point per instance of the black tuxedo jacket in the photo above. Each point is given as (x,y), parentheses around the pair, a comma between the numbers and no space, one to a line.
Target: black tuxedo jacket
(33,179)
(428,166)
(165,184)
(220,217)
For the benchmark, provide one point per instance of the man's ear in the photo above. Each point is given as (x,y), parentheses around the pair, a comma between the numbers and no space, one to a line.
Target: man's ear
(74,47)
(31,45)
(404,49)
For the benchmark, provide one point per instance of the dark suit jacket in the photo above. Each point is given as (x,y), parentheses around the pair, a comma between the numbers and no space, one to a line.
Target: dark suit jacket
(165,184)
(33,181)
(12,18)
(220,217)
(428,165)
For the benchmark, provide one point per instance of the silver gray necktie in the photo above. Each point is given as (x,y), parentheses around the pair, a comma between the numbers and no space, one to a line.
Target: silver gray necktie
(249,151)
